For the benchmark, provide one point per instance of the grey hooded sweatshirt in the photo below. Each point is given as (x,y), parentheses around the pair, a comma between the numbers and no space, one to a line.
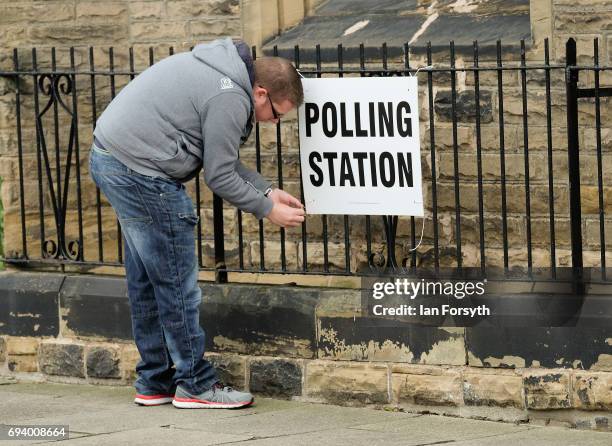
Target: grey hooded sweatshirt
(187,112)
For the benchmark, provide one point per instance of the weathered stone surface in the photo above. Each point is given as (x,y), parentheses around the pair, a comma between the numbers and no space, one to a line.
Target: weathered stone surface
(190,8)
(2,349)
(101,11)
(493,390)
(85,33)
(22,345)
(230,368)
(146,10)
(151,32)
(315,255)
(465,106)
(103,362)
(28,304)
(592,391)
(274,321)
(273,255)
(214,28)
(129,358)
(230,225)
(95,306)
(552,347)
(582,22)
(589,196)
(28,12)
(276,378)
(341,382)
(426,386)
(515,196)
(62,359)
(374,339)
(22,363)
(546,390)
(290,13)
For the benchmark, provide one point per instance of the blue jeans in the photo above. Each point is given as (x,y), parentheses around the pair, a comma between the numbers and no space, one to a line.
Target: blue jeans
(157,221)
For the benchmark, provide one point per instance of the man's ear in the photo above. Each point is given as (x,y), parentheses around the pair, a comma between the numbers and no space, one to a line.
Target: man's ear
(259,92)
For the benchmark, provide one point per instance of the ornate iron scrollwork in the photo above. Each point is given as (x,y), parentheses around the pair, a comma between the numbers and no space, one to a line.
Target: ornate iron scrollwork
(55,86)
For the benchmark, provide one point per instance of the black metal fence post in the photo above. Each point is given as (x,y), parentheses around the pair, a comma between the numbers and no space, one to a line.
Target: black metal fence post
(220,269)
(571,84)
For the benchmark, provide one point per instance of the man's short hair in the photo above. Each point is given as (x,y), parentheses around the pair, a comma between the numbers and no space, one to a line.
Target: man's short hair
(280,78)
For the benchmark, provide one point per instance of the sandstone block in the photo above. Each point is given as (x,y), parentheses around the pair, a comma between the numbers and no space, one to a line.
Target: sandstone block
(232,253)
(211,28)
(2,350)
(22,346)
(589,196)
(273,255)
(230,223)
(129,358)
(546,390)
(28,12)
(584,46)
(592,391)
(82,33)
(443,134)
(465,106)
(146,10)
(103,11)
(341,382)
(191,9)
(23,363)
(413,386)
(276,378)
(230,369)
(290,12)
(62,359)
(493,390)
(154,31)
(315,255)
(103,362)
(582,22)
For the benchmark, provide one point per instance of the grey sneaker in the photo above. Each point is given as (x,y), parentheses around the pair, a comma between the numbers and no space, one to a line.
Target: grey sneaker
(218,397)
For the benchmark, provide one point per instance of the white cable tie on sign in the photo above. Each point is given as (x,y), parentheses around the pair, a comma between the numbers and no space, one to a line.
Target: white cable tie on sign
(421,239)
(425,68)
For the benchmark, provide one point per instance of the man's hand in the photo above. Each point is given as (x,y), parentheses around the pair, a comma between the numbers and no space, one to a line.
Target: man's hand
(287,210)
(280,196)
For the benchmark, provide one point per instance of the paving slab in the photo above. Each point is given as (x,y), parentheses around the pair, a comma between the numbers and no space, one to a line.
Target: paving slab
(105,415)
(544,436)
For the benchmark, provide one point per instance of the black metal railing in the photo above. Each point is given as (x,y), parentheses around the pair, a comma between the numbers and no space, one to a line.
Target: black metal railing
(518,220)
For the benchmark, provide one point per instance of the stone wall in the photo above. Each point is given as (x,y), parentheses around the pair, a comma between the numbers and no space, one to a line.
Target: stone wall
(161,24)
(314,344)
(579,399)
(117,23)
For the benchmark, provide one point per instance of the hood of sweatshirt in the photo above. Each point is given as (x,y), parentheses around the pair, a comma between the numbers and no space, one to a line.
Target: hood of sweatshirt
(222,55)
(233,61)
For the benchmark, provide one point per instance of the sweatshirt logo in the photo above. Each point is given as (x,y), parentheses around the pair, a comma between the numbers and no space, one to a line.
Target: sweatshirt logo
(226,83)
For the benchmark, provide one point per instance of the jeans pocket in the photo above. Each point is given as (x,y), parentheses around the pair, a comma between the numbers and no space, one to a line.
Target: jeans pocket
(128,204)
(190,219)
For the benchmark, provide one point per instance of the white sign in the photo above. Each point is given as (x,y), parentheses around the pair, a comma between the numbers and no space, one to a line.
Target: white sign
(360,146)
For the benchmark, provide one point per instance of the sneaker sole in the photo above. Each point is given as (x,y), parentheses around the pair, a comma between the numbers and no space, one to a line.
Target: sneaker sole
(152,400)
(188,403)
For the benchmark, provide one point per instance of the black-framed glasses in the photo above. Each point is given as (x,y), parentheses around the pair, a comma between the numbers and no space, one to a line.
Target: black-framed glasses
(274,112)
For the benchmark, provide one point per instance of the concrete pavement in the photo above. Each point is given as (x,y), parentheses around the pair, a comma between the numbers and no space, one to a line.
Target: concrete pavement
(104,415)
